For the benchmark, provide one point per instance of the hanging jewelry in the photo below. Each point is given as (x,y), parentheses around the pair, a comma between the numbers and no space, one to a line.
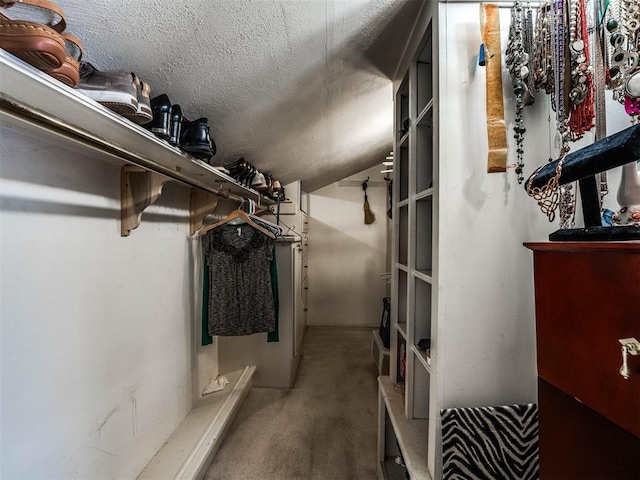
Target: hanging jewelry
(543,78)
(547,196)
(581,98)
(599,80)
(623,25)
(567,197)
(519,67)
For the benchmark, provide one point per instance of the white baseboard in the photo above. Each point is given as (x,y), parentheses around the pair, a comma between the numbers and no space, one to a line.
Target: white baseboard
(189,451)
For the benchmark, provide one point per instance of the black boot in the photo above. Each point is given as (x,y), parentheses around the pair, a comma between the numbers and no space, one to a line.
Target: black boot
(195,139)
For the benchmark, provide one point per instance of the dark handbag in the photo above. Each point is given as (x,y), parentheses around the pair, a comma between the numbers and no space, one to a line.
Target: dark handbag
(385,323)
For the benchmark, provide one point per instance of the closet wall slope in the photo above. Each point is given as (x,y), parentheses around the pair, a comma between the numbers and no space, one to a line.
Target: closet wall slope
(100,349)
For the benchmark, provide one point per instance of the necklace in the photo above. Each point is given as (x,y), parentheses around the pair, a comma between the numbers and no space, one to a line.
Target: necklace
(518,63)
(581,96)
(623,25)
(543,78)
(566,203)
(547,196)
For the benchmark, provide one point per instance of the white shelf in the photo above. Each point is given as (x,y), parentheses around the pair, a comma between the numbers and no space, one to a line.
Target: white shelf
(403,203)
(403,267)
(404,141)
(191,448)
(411,434)
(402,329)
(424,275)
(33,101)
(424,112)
(422,357)
(424,194)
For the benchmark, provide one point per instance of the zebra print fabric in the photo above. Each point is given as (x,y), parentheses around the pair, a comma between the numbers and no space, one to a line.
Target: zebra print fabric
(490,443)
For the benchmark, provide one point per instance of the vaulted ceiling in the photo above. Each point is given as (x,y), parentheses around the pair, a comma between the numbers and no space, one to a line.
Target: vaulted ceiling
(300,88)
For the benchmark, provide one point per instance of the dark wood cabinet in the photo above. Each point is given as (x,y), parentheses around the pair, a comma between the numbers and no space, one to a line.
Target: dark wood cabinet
(587,298)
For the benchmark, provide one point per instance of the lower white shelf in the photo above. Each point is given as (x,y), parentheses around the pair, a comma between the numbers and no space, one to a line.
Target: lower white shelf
(422,357)
(193,445)
(412,435)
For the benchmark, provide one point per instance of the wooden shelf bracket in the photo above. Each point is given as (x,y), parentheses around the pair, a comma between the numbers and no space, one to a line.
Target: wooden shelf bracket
(139,188)
(202,204)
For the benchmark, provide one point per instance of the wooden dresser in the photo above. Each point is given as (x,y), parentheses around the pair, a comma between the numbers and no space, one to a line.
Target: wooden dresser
(587,297)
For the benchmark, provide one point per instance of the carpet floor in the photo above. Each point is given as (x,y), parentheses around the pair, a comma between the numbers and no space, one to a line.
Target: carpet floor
(323,429)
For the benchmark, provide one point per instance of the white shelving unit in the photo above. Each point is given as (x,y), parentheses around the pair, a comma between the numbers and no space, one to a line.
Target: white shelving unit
(460,276)
(404,395)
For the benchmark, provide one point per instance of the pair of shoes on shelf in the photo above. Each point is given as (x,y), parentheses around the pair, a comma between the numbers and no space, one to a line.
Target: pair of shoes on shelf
(169,124)
(122,92)
(32,30)
(242,171)
(249,176)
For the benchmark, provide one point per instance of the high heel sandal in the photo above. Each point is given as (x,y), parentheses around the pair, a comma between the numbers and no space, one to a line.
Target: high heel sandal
(238,167)
(242,176)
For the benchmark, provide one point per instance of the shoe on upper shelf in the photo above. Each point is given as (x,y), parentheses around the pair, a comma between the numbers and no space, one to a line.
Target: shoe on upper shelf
(114,90)
(143,113)
(195,139)
(259,182)
(31,30)
(160,126)
(69,72)
(175,125)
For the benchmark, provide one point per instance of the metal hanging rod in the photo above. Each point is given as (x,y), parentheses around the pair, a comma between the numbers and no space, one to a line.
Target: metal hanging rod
(500,4)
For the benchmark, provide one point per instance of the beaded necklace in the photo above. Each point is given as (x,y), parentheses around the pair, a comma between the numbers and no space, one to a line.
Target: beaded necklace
(517,59)
(543,78)
(581,97)
(567,198)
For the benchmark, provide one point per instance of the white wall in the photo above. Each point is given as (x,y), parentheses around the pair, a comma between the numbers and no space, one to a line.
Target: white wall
(347,257)
(100,339)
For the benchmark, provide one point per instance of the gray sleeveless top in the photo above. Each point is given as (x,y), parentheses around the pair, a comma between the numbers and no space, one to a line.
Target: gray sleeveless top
(240,293)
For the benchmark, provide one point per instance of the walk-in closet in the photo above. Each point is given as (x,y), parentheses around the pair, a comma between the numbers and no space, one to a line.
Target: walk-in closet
(319,240)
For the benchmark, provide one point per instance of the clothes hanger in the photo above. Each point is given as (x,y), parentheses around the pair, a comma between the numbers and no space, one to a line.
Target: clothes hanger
(277,229)
(241,215)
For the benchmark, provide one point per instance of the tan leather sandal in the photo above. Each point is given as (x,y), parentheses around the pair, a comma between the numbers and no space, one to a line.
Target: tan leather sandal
(37,41)
(69,72)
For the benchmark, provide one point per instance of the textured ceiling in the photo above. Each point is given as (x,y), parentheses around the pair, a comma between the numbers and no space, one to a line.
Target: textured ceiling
(300,88)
